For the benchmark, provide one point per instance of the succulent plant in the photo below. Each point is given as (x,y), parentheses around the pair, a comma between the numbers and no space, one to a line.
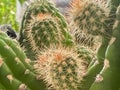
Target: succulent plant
(16,73)
(89,16)
(61,68)
(107,79)
(96,19)
(42,25)
(44,36)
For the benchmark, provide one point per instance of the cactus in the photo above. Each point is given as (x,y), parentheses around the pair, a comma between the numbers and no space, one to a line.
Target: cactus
(16,73)
(42,25)
(86,54)
(89,16)
(7,79)
(108,78)
(88,19)
(2,87)
(62,68)
(95,19)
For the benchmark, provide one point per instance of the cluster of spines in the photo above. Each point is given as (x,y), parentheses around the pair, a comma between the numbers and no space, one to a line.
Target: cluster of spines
(109,72)
(61,68)
(84,39)
(89,17)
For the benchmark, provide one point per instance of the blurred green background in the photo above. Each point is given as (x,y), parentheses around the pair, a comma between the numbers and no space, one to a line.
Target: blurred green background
(8,12)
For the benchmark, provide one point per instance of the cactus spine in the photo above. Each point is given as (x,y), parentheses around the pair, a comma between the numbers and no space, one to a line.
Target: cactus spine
(42,26)
(14,72)
(92,18)
(110,73)
(61,68)
(89,16)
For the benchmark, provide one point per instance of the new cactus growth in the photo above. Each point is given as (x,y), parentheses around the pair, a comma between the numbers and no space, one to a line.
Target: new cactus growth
(61,68)
(16,73)
(86,54)
(42,25)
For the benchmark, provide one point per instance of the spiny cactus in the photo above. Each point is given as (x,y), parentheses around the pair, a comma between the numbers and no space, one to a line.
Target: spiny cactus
(61,68)
(86,54)
(88,19)
(97,23)
(7,79)
(108,78)
(89,16)
(42,25)
(16,73)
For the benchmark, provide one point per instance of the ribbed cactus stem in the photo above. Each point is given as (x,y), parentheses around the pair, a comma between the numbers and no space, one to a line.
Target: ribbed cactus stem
(7,79)
(96,68)
(15,63)
(61,68)
(42,26)
(89,16)
(110,73)
(19,52)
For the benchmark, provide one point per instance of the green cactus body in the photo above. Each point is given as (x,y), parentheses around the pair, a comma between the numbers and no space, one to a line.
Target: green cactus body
(7,79)
(86,54)
(108,79)
(2,87)
(89,17)
(19,53)
(61,68)
(13,65)
(42,26)
(101,24)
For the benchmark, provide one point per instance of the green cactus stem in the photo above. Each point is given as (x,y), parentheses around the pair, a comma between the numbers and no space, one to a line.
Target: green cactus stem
(18,51)
(83,21)
(86,54)
(108,79)
(61,68)
(42,25)
(7,79)
(16,66)
(89,16)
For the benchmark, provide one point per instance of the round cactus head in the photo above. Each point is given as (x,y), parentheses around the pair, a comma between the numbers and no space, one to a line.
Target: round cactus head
(42,26)
(42,32)
(89,16)
(61,68)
